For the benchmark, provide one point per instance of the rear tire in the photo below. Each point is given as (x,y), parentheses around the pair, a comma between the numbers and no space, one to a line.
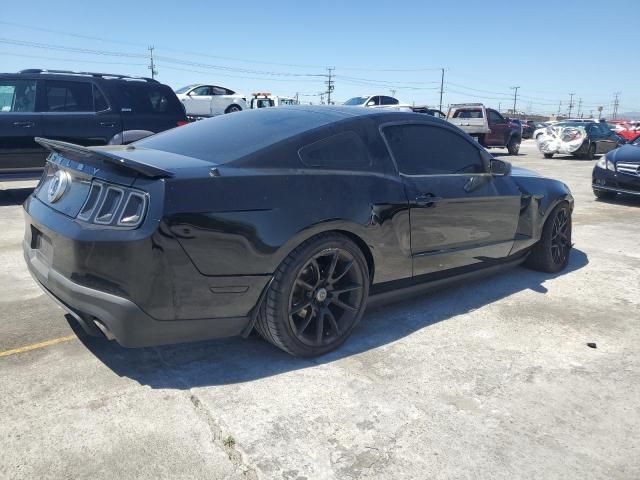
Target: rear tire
(551,253)
(548,155)
(604,194)
(317,296)
(513,147)
(233,108)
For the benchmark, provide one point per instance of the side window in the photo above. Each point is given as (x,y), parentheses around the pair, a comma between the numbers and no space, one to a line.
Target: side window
(201,91)
(145,98)
(473,113)
(17,95)
(375,100)
(389,101)
(429,150)
(218,91)
(495,117)
(344,151)
(99,102)
(61,96)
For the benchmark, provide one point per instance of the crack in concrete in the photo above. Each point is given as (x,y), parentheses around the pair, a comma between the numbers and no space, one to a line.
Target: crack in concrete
(237,457)
(230,446)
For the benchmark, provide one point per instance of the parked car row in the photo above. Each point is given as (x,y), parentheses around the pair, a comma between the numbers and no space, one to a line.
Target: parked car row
(581,139)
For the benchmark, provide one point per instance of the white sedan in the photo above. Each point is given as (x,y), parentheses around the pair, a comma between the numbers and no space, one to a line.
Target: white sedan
(208,100)
(378,101)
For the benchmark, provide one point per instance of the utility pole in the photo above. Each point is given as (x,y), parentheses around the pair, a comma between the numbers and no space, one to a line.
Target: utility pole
(330,84)
(559,108)
(500,107)
(393,92)
(515,98)
(441,88)
(297,99)
(571,103)
(616,104)
(579,107)
(322,98)
(152,65)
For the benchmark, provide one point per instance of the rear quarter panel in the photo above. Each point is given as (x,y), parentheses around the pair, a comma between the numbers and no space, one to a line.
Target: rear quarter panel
(246,224)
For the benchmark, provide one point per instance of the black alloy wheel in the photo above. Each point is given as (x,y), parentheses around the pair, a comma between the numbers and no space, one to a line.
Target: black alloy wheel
(560,237)
(551,253)
(317,296)
(326,297)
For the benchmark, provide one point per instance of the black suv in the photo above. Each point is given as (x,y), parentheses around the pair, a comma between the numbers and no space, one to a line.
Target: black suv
(78,107)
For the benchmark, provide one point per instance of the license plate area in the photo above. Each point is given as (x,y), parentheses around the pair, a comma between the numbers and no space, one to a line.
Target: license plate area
(41,245)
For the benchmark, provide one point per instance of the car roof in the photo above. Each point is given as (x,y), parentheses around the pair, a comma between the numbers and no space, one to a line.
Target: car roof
(35,74)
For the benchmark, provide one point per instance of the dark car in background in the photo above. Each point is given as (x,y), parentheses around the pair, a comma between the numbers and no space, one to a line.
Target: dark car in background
(599,138)
(289,233)
(618,172)
(528,128)
(84,108)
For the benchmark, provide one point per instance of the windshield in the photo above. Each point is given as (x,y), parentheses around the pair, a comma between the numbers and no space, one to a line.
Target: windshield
(185,89)
(356,101)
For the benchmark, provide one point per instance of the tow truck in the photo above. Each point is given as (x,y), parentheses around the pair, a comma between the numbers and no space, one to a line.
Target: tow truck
(265,99)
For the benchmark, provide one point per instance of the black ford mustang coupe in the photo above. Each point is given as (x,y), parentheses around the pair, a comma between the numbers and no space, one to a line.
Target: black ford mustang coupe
(281,219)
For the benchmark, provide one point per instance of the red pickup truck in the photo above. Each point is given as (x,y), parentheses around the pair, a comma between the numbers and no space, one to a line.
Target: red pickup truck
(486,125)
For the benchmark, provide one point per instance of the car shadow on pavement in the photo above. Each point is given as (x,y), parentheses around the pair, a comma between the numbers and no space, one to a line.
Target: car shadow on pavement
(237,360)
(14,196)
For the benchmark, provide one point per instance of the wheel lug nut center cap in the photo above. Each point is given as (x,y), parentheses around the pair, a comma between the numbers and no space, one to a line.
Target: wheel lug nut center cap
(321,294)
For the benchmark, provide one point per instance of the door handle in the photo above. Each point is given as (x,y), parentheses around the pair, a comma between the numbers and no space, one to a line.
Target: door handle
(26,124)
(108,124)
(427,200)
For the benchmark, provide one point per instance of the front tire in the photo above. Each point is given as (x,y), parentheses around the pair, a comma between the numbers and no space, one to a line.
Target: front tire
(551,253)
(548,155)
(233,108)
(317,296)
(591,152)
(513,147)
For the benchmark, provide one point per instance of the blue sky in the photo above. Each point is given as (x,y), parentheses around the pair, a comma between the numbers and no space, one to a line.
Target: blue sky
(548,49)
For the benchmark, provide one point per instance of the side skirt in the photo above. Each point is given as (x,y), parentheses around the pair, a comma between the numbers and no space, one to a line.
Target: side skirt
(396,291)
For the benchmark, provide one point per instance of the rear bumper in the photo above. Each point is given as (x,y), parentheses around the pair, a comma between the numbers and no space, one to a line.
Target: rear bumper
(121,318)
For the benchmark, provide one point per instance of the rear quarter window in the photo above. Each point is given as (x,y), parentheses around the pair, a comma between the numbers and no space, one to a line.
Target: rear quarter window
(345,150)
(474,113)
(149,98)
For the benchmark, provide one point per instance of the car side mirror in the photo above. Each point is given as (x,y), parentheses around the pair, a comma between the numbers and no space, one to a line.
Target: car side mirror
(370,103)
(499,168)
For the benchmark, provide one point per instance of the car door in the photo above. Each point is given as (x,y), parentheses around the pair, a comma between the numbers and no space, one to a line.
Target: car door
(499,128)
(460,214)
(78,112)
(220,100)
(608,139)
(19,125)
(374,101)
(198,101)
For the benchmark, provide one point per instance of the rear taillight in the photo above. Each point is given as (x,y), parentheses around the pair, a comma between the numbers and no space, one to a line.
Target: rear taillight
(181,123)
(111,205)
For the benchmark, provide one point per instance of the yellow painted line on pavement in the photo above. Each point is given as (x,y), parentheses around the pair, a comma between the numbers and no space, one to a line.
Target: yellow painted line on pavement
(36,346)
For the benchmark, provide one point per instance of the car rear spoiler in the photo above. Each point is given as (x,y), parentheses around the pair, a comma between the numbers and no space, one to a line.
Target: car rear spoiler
(96,157)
